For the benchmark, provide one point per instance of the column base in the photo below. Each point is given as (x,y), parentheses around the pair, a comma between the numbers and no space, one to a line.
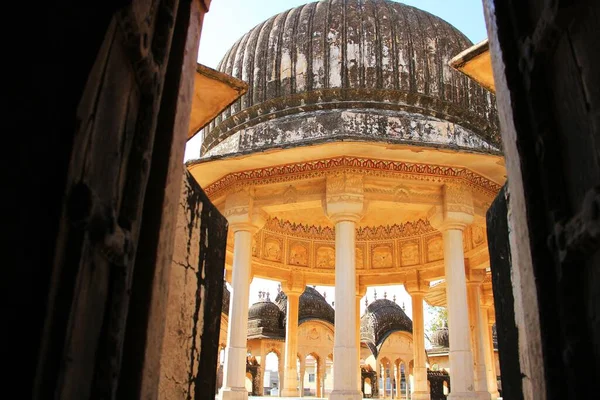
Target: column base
(345,395)
(289,393)
(483,395)
(421,396)
(462,396)
(233,394)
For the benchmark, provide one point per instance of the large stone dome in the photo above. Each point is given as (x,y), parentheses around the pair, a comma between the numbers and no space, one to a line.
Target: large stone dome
(367,70)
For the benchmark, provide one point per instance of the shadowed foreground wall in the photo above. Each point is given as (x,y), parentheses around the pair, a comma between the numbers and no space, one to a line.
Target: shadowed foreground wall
(195,290)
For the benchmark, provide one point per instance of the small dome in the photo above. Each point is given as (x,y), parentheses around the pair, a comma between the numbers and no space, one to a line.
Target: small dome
(264,320)
(382,318)
(372,70)
(263,309)
(312,306)
(440,337)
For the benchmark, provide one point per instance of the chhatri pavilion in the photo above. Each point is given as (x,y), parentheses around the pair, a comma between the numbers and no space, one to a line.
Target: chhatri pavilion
(358,157)
(385,347)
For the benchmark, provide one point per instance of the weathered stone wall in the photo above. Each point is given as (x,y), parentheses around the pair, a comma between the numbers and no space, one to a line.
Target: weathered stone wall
(362,124)
(190,344)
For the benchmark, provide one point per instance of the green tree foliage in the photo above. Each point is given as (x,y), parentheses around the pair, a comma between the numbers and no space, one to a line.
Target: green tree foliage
(438,320)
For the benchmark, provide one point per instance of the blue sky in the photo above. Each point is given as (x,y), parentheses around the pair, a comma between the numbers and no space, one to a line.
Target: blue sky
(228,20)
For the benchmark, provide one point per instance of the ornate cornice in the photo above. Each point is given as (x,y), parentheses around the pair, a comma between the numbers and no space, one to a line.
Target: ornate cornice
(366,233)
(364,166)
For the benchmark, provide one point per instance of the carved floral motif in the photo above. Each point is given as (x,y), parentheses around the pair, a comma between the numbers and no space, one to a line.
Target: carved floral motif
(360,258)
(290,195)
(408,229)
(458,198)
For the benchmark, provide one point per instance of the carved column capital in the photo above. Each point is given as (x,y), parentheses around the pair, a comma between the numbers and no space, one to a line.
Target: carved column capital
(361,290)
(295,285)
(416,287)
(456,210)
(241,213)
(475,277)
(344,197)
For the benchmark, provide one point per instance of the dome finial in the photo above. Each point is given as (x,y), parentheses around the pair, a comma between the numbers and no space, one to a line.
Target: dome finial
(268,296)
(385,295)
(394,297)
(375,294)
(260,294)
(325,295)
(403,306)
(366,301)
(279,288)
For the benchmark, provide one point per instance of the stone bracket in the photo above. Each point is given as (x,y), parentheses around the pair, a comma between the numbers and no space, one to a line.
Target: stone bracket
(241,213)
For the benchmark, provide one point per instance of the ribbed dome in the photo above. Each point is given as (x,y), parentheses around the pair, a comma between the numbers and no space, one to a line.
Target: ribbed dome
(311,305)
(263,309)
(382,318)
(369,69)
(264,320)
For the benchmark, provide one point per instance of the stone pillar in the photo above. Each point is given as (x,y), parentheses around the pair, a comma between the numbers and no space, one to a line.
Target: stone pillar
(386,376)
(478,335)
(398,390)
(244,221)
(290,386)
(378,376)
(488,348)
(320,375)
(301,377)
(281,372)
(344,207)
(452,218)
(417,289)
(260,390)
(360,292)
(234,371)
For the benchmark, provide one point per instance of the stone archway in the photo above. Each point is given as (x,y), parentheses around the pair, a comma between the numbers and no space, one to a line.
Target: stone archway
(272,381)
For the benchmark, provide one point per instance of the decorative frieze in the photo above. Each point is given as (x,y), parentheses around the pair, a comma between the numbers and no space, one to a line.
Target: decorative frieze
(409,245)
(356,165)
